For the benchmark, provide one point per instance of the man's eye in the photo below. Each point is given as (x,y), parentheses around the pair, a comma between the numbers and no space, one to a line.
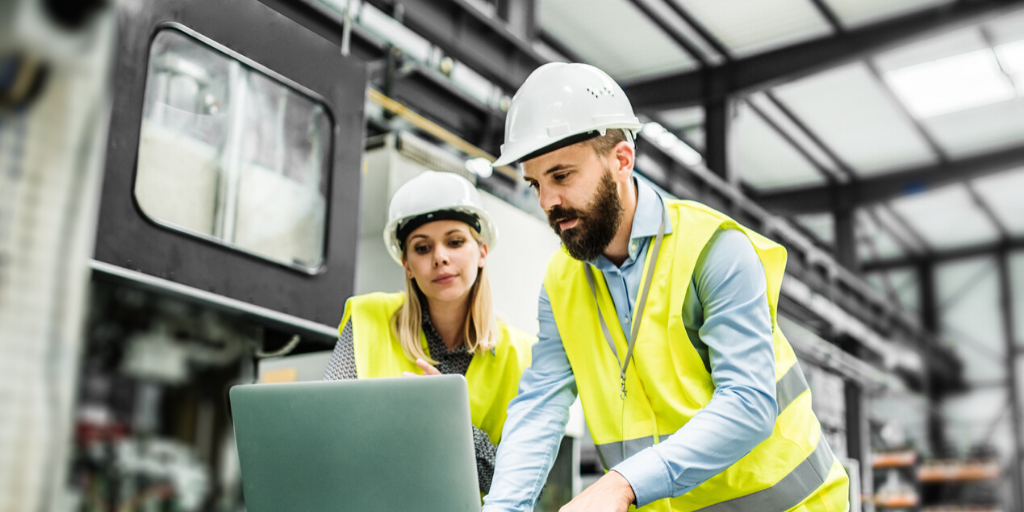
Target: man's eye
(535,186)
(560,177)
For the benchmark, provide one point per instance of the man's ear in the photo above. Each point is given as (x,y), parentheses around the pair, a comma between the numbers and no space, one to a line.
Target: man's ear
(624,154)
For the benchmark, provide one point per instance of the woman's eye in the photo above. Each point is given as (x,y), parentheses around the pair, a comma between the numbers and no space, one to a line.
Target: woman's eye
(457,242)
(422,249)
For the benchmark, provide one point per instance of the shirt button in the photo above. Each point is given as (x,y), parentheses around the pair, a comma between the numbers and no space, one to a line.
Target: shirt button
(632,247)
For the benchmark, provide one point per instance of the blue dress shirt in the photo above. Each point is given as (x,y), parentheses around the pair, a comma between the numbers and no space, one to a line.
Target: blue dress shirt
(727,319)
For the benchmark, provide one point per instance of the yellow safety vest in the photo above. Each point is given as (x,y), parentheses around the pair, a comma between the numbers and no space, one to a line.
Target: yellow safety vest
(492,377)
(667,382)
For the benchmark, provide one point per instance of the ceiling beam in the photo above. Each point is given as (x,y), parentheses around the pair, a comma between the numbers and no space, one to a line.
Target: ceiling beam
(1012,244)
(766,69)
(886,186)
(483,43)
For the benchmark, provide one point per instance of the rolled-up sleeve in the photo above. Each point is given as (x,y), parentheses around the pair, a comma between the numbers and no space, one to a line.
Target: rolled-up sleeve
(536,421)
(737,329)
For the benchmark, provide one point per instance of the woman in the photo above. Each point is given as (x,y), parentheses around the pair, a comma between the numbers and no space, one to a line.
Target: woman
(444,323)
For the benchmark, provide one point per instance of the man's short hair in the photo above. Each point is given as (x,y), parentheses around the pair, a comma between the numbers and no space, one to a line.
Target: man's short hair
(603,144)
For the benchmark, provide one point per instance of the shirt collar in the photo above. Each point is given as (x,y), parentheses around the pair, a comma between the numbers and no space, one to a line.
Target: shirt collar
(647,218)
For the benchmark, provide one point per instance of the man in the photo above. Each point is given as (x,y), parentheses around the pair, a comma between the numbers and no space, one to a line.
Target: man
(661,315)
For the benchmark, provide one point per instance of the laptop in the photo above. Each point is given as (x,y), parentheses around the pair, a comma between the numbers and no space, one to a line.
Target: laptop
(376,444)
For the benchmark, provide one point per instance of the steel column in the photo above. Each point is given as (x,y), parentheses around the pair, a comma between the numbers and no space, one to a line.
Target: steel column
(716,130)
(846,238)
(1017,421)
(929,311)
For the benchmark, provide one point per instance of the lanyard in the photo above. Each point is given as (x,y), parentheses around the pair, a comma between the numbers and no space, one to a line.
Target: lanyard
(638,313)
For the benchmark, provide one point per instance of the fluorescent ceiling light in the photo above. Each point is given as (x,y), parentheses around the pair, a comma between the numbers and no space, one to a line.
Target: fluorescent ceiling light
(671,144)
(951,84)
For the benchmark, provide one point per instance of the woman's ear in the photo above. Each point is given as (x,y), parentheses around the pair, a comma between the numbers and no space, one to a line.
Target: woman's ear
(483,255)
(405,265)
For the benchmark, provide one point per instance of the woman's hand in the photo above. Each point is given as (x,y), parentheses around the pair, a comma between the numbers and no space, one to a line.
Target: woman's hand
(425,366)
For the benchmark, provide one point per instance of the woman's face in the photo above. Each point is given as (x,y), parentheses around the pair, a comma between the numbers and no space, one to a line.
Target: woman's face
(444,259)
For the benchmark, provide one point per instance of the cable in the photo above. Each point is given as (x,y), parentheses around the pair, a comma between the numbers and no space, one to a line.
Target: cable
(283,351)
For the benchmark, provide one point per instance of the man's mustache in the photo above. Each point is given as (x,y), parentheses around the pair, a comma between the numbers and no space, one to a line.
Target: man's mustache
(558,214)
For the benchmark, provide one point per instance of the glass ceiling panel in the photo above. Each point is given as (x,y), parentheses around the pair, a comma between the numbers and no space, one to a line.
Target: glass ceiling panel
(769,109)
(669,16)
(905,282)
(690,121)
(928,50)
(951,84)
(901,283)
(683,118)
(820,225)
(856,13)
(908,241)
(695,136)
(873,242)
(947,218)
(1003,193)
(753,26)
(639,48)
(979,130)
(865,129)
(763,158)
(968,299)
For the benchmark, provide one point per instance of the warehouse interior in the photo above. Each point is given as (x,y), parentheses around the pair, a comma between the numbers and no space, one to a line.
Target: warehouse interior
(192,191)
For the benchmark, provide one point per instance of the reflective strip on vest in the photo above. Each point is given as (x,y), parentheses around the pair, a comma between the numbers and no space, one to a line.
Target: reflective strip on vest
(787,389)
(612,453)
(788,492)
(790,386)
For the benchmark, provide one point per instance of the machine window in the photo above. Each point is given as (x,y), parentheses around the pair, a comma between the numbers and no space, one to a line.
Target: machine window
(231,154)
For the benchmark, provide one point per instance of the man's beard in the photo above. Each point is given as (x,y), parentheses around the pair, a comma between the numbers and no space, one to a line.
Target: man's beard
(597,224)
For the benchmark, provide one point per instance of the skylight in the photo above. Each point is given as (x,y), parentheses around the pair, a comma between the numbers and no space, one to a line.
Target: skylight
(954,83)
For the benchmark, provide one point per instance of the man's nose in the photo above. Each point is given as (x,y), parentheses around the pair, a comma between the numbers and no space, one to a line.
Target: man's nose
(549,200)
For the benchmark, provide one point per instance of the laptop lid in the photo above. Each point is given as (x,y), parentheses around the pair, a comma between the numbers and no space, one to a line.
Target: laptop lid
(374,444)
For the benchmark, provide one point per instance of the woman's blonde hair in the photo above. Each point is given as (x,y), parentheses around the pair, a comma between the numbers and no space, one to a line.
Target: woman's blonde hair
(479,329)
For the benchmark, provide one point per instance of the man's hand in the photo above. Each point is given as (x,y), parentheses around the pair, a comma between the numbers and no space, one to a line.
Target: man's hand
(612,493)
(425,366)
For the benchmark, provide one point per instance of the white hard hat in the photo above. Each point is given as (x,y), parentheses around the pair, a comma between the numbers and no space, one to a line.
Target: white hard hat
(560,104)
(435,196)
